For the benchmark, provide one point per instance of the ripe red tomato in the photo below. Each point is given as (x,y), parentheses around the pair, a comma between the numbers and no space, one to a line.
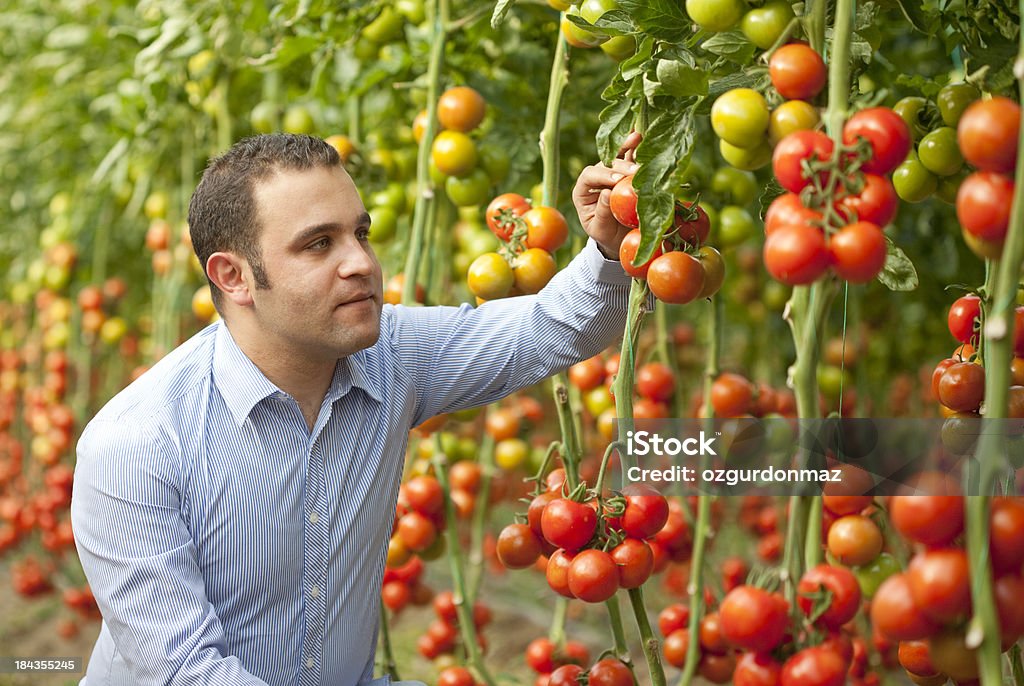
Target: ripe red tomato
(610,672)
(635,562)
(568,524)
(588,374)
(546,228)
(792,150)
(593,576)
(675,646)
(540,655)
(461,109)
(915,657)
(627,253)
(854,540)
(534,513)
(756,669)
(395,595)
(673,617)
(940,585)
(655,380)
(566,675)
(934,520)
(518,547)
(717,669)
(675,277)
(424,494)
(417,531)
(753,619)
(962,387)
(815,666)
(1006,534)
(842,585)
(964,316)
(876,203)
(455,676)
(623,203)
(788,209)
(894,614)
(557,572)
(987,134)
(797,71)
(710,634)
(888,134)
(646,511)
(500,212)
(983,205)
(858,251)
(694,231)
(731,395)
(796,254)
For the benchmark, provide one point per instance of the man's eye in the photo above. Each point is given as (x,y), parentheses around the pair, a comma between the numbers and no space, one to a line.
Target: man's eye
(363,234)
(320,244)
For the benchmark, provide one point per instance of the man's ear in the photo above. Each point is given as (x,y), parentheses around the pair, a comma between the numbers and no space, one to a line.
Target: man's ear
(228,272)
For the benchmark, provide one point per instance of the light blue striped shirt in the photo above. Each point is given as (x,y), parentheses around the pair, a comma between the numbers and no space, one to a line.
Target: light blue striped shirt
(228,544)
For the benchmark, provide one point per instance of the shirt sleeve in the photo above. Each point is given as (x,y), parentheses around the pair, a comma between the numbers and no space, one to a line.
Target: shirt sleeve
(141,562)
(461,357)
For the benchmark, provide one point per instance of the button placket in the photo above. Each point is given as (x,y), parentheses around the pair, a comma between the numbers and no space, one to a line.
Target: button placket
(315,572)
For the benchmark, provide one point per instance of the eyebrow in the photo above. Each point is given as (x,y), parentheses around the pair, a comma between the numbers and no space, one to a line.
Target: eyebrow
(362,222)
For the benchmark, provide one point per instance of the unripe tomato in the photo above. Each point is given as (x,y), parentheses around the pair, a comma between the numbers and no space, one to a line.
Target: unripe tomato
(796,254)
(490,276)
(748,159)
(470,190)
(735,225)
(790,116)
(498,211)
(887,133)
(715,15)
(714,271)
(675,277)
(953,99)
(987,134)
(623,203)
(297,119)
(546,228)
(858,252)
(533,269)
(939,153)
(792,150)
(797,71)
(983,205)
(763,25)
(911,109)
(739,187)
(619,47)
(461,109)
(577,36)
(914,183)
(454,153)
(740,117)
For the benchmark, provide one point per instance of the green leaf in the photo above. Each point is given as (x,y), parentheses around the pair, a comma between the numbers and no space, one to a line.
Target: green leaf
(732,45)
(616,123)
(928,88)
(898,274)
(662,19)
(67,36)
(170,31)
(638,62)
(679,80)
(666,144)
(866,13)
(616,21)
(501,8)
(915,15)
(289,50)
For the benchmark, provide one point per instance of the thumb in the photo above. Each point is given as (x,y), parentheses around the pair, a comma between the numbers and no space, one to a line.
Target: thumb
(604,221)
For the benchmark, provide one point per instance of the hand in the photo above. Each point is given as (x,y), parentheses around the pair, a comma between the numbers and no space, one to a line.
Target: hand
(591,195)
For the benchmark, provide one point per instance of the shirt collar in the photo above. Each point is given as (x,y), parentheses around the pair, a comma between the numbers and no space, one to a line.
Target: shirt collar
(243,385)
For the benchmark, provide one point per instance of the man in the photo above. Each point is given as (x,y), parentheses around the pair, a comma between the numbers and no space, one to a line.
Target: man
(232,506)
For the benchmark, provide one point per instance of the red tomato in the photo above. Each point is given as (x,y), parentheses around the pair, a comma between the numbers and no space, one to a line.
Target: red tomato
(796,254)
(840,583)
(540,655)
(877,202)
(710,634)
(756,669)
(915,657)
(676,277)
(588,374)
(627,253)
(424,494)
(964,316)
(568,524)
(518,547)
(788,209)
(646,511)
(792,150)
(858,251)
(1006,534)
(655,380)
(675,646)
(623,203)
(962,386)
(983,205)
(500,212)
(565,675)
(610,672)
(940,584)
(934,520)
(731,395)
(593,576)
(888,134)
(894,614)
(546,228)
(987,134)
(673,617)
(753,619)
(816,666)
(694,231)
(635,562)
(557,572)
(797,71)
(455,676)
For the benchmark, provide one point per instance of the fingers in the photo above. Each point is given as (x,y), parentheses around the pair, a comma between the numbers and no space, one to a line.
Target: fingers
(604,223)
(597,177)
(628,149)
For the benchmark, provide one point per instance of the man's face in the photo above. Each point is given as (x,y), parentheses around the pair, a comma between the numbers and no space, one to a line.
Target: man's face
(325,289)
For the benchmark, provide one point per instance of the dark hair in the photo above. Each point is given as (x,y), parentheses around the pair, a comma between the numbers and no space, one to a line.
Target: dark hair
(222,212)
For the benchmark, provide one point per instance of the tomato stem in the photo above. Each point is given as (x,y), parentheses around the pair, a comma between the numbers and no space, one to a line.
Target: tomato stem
(1016,668)
(648,640)
(480,512)
(439,11)
(814,24)
(549,143)
(622,387)
(618,633)
(572,453)
(696,586)
(386,663)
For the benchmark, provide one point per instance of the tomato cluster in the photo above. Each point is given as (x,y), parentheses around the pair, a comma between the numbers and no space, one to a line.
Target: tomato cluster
(443,635)
(545,658)
(616,47)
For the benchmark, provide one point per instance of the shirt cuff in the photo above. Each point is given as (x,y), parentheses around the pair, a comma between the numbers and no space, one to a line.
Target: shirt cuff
(604,270)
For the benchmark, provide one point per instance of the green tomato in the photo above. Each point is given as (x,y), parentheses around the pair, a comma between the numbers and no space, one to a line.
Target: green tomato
(740,186)
(747,159)
(763,26)
(393,196)
(715,15)
(735,225)
(954,99)
(412,10)
(832,380)
(911,109)
(592,10)
(696,175)
(298,119)
(949,186)
(740,117)
(470,190)
(366,50)
(939,152)
(913,182)
(495,160)
(385,28)
(577,36)
(619,47)
(871,575)
(263,117)
(405,163)
(383,222)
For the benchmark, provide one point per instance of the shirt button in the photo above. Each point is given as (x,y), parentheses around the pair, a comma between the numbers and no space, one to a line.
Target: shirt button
(309,663)
(314,518)
(315,591)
